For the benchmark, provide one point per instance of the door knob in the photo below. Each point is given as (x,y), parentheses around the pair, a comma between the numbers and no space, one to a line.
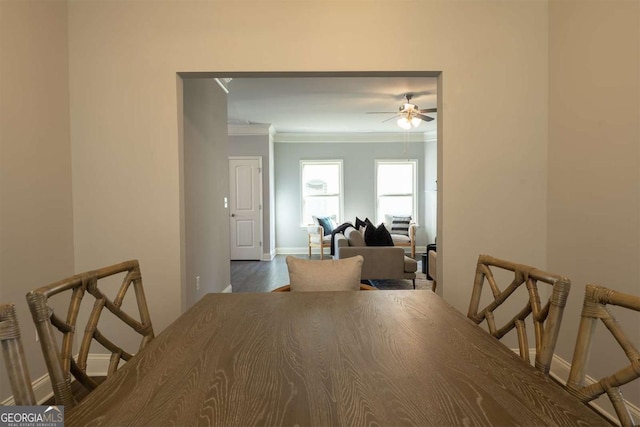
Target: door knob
(233,214)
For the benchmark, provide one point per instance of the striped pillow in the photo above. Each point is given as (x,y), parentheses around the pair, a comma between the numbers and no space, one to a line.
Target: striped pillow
(400,225)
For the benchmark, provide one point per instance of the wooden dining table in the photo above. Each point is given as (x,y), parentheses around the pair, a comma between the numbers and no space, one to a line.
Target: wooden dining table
(383,358)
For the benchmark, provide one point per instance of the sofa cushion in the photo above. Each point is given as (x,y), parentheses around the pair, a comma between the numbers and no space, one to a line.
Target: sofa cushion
(354,237)
(400,238)
(325,275)
(377,236)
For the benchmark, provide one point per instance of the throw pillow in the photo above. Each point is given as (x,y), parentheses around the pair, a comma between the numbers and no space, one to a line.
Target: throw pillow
(360,223)
(354,237)
(377,236)
(326,275)
(400,225)
(327,224)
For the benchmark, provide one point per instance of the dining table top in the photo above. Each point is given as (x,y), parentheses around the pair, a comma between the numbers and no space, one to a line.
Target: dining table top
(386,358)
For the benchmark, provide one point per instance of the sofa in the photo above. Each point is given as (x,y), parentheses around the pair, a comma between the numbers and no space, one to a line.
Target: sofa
(380,262)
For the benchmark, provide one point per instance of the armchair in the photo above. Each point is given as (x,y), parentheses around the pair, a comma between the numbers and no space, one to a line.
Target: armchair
(319,233)
(317,239)
(403,231)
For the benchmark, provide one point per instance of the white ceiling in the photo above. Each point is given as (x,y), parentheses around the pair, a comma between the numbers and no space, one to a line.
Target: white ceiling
(328,104)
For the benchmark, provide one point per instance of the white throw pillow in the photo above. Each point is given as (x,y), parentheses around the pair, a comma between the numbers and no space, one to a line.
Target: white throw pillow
(325,275)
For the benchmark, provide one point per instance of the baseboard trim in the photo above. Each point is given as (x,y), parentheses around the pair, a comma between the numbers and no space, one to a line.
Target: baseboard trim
(41,389)
(559,371)
(295,251)
(227,290)
(268,256)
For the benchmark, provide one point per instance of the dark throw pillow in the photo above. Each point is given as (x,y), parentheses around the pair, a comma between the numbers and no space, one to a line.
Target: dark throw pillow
(377,236)
(360,223)
(327,224)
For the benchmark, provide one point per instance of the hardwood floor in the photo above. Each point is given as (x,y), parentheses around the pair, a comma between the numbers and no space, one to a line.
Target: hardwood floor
(264,276)
(261,276)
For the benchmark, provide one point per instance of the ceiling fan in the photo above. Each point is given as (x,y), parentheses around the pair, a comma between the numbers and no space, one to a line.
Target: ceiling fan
(410,114)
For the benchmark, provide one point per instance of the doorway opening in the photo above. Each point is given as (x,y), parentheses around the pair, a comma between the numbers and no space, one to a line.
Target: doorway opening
(282,231)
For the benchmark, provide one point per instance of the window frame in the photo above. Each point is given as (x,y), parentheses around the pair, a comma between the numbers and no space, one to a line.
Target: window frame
(414,194)
(340,164)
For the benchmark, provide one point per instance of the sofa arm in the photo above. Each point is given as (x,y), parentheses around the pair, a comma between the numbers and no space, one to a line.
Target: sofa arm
(339,241)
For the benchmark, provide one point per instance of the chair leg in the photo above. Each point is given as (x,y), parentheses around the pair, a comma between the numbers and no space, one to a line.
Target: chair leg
(414,283)
(321,251)
(433,287)
(309,246)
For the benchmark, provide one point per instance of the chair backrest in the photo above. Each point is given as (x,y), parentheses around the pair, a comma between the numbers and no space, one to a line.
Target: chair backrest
(13,355)
(546,318)
(596,299)
(324,275)
(61,363)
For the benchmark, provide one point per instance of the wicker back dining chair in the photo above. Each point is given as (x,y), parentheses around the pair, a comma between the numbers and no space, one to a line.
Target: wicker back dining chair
(546,318)
(595,304)
(60,362)
(13,355)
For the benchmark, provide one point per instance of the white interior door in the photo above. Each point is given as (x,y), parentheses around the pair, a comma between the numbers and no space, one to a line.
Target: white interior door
(245,179)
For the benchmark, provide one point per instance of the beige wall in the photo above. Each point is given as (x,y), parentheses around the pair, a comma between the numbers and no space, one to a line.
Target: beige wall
(123,60)
(594,161)
(36,223)
(206,184)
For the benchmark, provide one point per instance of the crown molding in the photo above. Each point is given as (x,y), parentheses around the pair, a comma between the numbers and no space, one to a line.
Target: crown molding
(329,137)
(359,137)
(252,129)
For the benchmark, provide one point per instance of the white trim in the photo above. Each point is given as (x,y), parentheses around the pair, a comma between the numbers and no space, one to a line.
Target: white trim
(353,137)
(222,84)
(41,389)
(559,371)
(250,129)
(98,364)
(292,251)
(268,256)
(227,290)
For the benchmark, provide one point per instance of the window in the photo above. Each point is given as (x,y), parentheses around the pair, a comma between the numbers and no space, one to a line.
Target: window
(321,189)
(396,188)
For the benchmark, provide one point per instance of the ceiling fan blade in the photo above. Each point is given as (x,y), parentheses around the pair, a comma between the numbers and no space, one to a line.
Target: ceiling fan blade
(429,110)
(390,118)
(424,118)
(380,112)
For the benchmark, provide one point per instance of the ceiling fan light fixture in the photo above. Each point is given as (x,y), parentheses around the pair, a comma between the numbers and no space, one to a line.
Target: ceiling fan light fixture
(407,123)
(404,123)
